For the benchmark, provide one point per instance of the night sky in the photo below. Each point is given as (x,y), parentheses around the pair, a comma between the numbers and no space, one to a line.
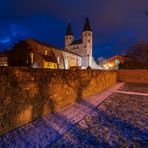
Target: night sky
(116,24)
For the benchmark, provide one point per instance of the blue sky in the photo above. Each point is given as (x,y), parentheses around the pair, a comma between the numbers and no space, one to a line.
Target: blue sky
(116,24)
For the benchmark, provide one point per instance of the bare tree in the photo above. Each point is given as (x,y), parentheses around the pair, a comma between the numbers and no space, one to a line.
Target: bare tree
(137,57)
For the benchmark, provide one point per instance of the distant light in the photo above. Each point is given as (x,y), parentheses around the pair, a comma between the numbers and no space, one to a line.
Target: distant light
(110,65)
(106,66)
(83,67)
(35,65)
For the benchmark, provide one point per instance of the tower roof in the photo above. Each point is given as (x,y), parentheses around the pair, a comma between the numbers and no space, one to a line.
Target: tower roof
(87,25)
(69,29)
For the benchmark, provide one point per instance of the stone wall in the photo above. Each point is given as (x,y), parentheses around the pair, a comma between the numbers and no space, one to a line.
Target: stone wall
(133,76)
(28,94)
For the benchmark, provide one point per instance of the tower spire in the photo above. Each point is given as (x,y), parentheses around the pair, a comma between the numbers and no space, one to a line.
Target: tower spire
(87,25)
(69,29)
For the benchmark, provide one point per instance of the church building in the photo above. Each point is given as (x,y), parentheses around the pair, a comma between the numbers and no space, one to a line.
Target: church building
(83,46)
(76,53)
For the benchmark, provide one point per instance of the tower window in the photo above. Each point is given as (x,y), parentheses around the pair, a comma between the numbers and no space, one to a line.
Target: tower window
(70,38)
(88,40)
(84,46)
(77,47)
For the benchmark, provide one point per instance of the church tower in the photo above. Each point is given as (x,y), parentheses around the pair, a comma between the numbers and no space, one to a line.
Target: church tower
(87,43)
(69,37)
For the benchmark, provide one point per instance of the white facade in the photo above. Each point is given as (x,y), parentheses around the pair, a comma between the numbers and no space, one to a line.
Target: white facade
(82,47)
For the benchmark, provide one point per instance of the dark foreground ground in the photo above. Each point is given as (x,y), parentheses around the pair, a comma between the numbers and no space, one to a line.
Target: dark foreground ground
(120,120)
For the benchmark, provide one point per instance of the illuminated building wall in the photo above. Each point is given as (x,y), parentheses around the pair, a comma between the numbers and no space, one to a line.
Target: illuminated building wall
(83,46)
(64,59)
(113,62)
(50,65)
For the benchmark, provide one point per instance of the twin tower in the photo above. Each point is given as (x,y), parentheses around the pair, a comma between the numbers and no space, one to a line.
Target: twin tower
(83,46)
